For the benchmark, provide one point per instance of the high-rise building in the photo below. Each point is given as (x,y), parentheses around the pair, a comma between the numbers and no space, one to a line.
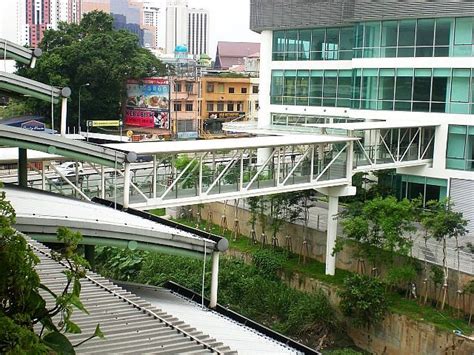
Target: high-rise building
(151,20)
(176,24)
(198,31)
(395,62)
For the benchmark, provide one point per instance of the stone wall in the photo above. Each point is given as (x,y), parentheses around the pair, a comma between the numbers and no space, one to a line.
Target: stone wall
(316,248)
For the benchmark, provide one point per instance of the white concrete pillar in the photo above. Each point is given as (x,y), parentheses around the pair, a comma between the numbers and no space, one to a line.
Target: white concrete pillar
(43,175)
(154,178)
(214,279)
(126,186)
(102,182)
(63,116)
(264,112)
(331,235)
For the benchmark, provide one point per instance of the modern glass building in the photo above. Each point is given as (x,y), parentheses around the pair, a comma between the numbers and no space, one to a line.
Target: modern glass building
(392,61)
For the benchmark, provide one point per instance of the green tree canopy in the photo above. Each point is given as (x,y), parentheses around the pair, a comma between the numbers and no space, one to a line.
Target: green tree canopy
(91,52)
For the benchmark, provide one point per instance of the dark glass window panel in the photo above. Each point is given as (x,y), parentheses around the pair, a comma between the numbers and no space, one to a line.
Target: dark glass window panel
(345,55)
(369,87)
(385,105)
(372,34)
(443,32)
(343,102)
(359,36)
(425,32)
(329,102)
(386,88)
(316,88)
(441,52)
(347,38)
(356,88)
(422,89)
(421,106)
(318,40)
(438,107)
(406,30)
(344,89)
(330,86)
(403,88)
(424,51)
(402,106)
(406,52)
(291,41)
(315,101)
(415,190)
(439,90)
(304,44)
(388,52)
(332,38)
(279,41)
(432,193)
(389,33)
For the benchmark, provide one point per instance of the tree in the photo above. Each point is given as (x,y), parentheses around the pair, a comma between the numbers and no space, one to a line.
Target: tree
(441,223)
(381,224)
(363,299)
(21,304)
(92,52)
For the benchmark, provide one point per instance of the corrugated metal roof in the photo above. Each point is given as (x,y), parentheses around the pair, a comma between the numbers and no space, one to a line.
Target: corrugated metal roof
(130,325)
(240,337)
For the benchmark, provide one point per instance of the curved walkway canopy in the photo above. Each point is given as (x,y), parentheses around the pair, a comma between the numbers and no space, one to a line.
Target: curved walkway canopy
(52,144)
(12,83)
(38,214)
(9,50)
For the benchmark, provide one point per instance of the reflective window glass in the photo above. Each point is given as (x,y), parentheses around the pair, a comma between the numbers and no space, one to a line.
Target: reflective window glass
(318,38)
(304,44)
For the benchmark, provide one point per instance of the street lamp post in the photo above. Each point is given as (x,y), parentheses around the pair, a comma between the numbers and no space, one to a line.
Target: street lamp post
(79,113)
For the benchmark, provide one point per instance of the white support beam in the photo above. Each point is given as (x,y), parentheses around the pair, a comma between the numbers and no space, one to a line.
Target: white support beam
(126,186)
(214,279)
(331,235)
(63,116)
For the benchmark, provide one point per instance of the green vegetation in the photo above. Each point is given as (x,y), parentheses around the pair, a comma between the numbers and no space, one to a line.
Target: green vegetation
(363,300)
(91,52)
(442,319)
(259,295)
(21,304)
(14,108)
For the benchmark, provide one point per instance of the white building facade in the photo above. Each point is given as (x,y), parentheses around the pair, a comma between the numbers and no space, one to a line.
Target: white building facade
(176,24)
(198,31)
(391,61)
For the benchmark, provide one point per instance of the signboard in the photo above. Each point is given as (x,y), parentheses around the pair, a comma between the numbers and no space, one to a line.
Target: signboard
(216,115)
(148,103)
(188,135)
(104,123)
(33,125)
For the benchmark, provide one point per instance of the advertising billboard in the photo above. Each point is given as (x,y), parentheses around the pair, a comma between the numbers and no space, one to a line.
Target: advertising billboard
(148,103)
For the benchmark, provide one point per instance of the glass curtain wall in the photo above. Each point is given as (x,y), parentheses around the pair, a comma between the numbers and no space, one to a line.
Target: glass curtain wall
(418,90)
(311,87)
(441,37)
(460,151)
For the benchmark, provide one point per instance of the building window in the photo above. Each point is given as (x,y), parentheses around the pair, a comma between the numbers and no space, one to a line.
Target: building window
(460,151)
(426,188)
(177,106)
(189,106)
(255,89)
(243,90)
(239,106)
(403,89)
(231,90)
(210,106)
(210,87)
(220,106)
(177,87)
(230,107)
(189,87)
(440,37)
(220,88)
(186,126)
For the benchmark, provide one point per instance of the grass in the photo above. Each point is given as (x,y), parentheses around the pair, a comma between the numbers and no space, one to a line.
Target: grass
(160,212)
(443,320)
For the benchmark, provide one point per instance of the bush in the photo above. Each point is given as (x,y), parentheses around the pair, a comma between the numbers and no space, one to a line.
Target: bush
(268,262)
(400,276)
(363,299)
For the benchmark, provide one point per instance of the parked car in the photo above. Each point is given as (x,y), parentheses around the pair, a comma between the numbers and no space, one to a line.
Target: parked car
(68,169)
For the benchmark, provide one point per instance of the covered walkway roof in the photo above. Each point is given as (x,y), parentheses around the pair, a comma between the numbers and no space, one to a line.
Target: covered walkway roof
(130,324)
(9,50)
(175,147)
(56,145)
(12,83)
(369,125)
(39,214)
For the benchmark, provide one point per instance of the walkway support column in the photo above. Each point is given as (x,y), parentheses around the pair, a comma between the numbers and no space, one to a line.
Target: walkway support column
(214,279)
(22,167)
(331,235)
(63,116)
(126,186)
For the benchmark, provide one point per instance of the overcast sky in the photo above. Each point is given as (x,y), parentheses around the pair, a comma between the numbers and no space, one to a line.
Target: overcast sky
(229,20)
